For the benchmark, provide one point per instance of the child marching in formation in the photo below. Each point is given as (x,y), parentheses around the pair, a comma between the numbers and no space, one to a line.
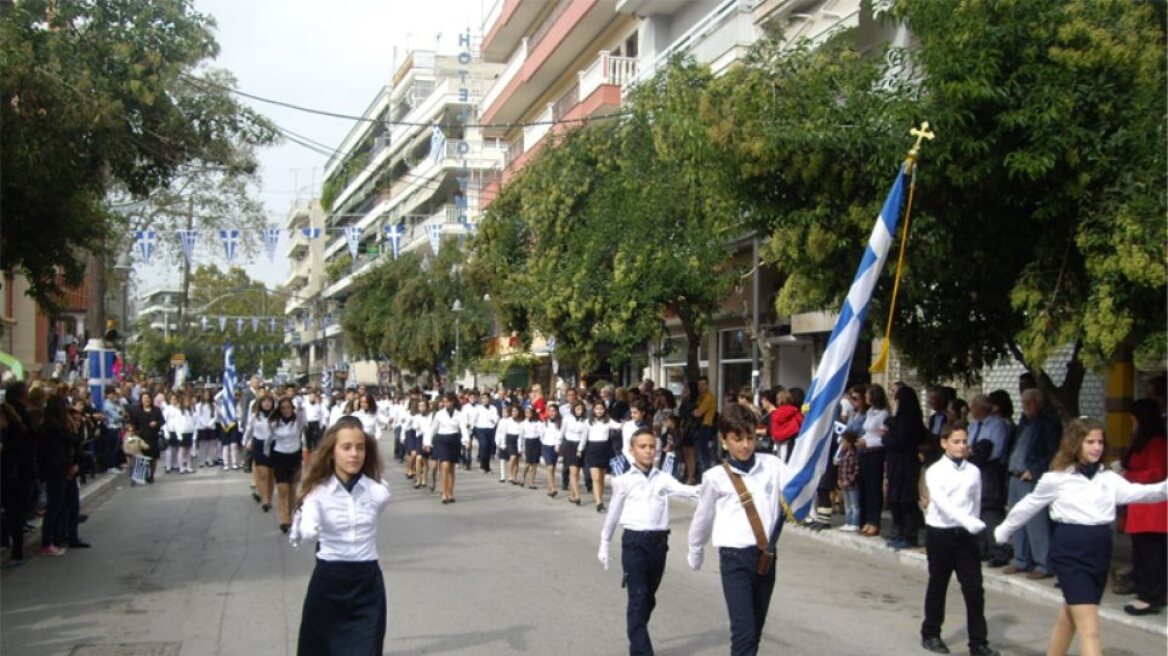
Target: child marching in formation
(255,438)
(447,439)
(550,440)
(507,435)
(207,437)
(531,430)
(572,448)
(598,450)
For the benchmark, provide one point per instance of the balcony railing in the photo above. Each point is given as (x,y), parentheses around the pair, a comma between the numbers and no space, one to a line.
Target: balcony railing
(607,69)
(539,127)
(566,102)
(514,151)
(506,75)
(549,22)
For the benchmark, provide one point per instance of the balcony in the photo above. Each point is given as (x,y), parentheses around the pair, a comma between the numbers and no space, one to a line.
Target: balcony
(649,7)
(297,246)
(299,216)
(719,39)
(505,24)
(296,279)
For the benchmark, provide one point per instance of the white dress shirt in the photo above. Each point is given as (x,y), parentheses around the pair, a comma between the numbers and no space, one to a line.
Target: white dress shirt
(257,429)
(335,413)
(641,502)
(552,435)
(1075,499)
(627,429)
(598,430)
(873,424)
(486,417)
(368,422)
(575,430)
(286,436)
(530,430)
(313,411)
(182,422)
(954,494)
(204,415)
(720,516)
(446,422)
(344,523)
(424,427)
(507,426)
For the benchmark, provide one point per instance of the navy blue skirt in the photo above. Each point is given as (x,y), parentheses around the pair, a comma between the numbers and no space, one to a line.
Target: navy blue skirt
(549,455)
(531,448)
(446,448)
(597,455)
(258,456)
(569,452)
(344,610)
(510,447)
(1079,558)
(413,442)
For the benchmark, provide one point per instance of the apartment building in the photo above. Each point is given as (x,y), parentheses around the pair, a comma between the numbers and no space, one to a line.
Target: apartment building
(159,306)
(303,306)
(415,164)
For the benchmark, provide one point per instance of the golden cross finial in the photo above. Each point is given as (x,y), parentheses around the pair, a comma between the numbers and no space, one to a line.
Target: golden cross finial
(921,134)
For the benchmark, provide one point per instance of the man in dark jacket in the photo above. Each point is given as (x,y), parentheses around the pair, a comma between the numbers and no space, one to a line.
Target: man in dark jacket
(1035,442)
(17,467)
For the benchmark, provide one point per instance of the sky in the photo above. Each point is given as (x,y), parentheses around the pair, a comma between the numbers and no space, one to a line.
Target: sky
(333,56)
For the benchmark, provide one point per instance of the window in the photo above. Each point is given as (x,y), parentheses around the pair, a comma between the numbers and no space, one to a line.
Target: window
(735,348)
(673,364)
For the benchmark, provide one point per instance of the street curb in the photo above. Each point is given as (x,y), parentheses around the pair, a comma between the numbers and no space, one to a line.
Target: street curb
(991,579)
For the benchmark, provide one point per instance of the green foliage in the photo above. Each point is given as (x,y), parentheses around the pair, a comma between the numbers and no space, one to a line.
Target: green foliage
(339,267)
(99,98)
(342,177)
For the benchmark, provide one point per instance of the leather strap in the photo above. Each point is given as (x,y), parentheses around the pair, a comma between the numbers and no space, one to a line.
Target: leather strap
(747,501)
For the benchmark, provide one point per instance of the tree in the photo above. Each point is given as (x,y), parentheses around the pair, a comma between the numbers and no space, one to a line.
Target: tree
(101,98)
(1039,218)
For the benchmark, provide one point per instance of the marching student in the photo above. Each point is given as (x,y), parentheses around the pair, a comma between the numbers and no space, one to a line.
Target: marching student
(340,502)
(444,441)
(365,408)
(229,436)
(314,416)
(255,437)
(285,451)
(550,438)
(952,524)
(598,450)
(638,420)
(575,430)
(170,410)
(1082,496)
(185,426)
(486,417)
(739,509)
(507,434)
(640,504)
(415,429)
(531,430)
(205,435)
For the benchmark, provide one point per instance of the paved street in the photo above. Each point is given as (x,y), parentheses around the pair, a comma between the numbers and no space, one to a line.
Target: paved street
(192,566)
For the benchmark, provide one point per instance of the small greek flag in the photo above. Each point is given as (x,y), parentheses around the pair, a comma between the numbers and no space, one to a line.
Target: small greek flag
(222,324)
(434,232)
(145,244)
(618,464)
(271,242)
(310,233)
(229,382)
(827,388)
(230,242)
(437,144)
(239,325)
(326,379)
(353,236)
(394,234)
(255,324)
(188,238)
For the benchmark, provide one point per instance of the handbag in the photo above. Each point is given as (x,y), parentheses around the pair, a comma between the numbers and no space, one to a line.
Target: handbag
(766,551)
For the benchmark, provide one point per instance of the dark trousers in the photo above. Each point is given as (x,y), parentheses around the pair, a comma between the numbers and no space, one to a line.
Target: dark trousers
(907,520)
(643,561)
(1149,553)
(486,438)
(748,596)
(954,550)
(564,477)
(108,448)
(67,531)
(988,548)
(16,504)
(871,486)
(54,510)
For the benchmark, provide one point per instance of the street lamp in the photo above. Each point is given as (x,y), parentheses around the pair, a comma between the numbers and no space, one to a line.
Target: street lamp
(457,310)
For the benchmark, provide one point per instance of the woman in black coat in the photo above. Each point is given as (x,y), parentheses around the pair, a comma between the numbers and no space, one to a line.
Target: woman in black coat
(902,442)
(147,420)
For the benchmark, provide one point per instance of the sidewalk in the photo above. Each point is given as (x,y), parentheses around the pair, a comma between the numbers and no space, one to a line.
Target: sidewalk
(93,491)
(1043,591)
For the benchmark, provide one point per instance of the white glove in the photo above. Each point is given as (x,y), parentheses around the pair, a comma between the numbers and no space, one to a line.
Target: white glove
(974,525)
(695,559)
(1000,536)
(602,555)
(294,533)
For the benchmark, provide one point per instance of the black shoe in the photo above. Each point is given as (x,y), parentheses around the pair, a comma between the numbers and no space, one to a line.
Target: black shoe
(266,507)
(934,644)
(600,508)
(256,497)
(1132,609)
(284,527)
(984,650)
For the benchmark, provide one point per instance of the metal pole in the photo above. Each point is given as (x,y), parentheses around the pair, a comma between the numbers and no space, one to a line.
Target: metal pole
(457,355)
(755,375)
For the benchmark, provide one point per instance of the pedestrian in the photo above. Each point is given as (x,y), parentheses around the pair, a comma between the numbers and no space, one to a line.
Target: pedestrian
(640,504)
(339,505)
(416,427)
(1035,442)
(902,443)
(147,420)
(486,418)
(449,436)
(952,524)
(114,410)
(598,450)
(849,480)
(739,512)
(550,438)
(531,430)
(56,442)
(205,435)
(17,466)
(170,413)
(259,430)
(186,425)
(871,450)
(575,429)
(314,416)
(507,434)
(285,452)
(1147,523)
(1082,496)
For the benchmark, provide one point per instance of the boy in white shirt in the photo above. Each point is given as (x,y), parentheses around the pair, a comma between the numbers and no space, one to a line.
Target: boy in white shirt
(952,523)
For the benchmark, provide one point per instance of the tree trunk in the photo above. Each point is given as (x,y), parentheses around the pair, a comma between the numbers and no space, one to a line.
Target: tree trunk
(693,342)
(95,295)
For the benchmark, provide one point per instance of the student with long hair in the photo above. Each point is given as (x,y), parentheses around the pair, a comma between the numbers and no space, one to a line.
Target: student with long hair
(170,411)
(871,457)
(255,437)
(1147,523)
(550,439)
(598,450)
(285,454)
(575,430)
(449,437)
(186,425)
(1082,496)
(230,436)
(531,430)
(413,443)
(507,435)
(339,505)
(205,436)
(314,416)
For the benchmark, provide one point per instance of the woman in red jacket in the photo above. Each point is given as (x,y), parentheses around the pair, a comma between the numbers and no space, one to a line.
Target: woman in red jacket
(1147,523)
(786,420)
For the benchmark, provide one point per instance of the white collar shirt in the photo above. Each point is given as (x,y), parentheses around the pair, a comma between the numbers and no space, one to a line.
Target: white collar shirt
(873,423)
(205,415)
(286,434)
(507,426)
(449,423)
(257,429)
(313,412)
(343,523)
(720,518)
(486,417)
(552,435)
(531,430)
(598,430)
(640,502)
(1075,499)
(954,493)
(575,430)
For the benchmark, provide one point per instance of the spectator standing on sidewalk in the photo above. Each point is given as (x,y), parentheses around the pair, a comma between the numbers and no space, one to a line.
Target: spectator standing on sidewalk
(903,441)
(871,447)
(110,451)
(17,467)
(1035,442)
(1147,523)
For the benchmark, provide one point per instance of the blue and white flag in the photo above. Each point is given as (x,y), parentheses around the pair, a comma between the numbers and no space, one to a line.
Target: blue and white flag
(229,382)
(188,238)
(326,380)
(310,233)
(353,236)
(618,464)
(271,242)
(260,373)
(203,324)
(272,325)
(434,232)
(437,144)
(239,325)
(394,234)
(255,324)
(827,388)
(145,244)
(222,324)
(230,242)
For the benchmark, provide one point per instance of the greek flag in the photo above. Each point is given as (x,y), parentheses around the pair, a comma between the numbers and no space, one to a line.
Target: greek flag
(230,242)
(619,464)
(272,325)
(394,234)
(255,324)
(222,324)
(310,233)
(188,239)
(434,232)
(229,383)
(437,144)
(271,242)
(326,380)
(811,449)
(239,325)
(145,244)
(353,236)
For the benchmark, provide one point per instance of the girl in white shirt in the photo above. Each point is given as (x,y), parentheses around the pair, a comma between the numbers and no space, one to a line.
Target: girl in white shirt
(871,460)
(255,438)
(365,409)
(339,506)
(425,427)
(507,438)
(170,407)
(412,434)
(531,429)
(315,415)
(598,450)
(550,439)
(575,429)
(285,453)
(207,440)
(184,425)
(1082,496)
(448,436)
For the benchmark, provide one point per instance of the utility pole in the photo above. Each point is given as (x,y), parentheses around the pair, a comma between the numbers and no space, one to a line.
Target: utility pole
(184,301)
